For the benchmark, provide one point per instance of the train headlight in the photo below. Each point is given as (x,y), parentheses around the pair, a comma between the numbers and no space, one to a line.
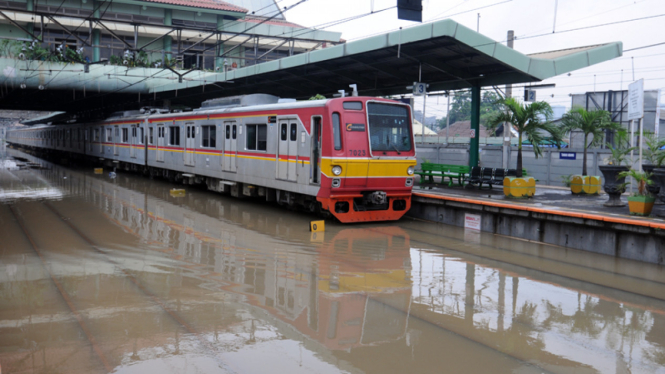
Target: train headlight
(337,170)
(409,170)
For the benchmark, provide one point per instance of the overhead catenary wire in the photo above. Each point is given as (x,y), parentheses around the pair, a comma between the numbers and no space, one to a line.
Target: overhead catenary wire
(533,36)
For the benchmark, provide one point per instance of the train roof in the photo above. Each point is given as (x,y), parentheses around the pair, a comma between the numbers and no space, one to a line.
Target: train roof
(234,104)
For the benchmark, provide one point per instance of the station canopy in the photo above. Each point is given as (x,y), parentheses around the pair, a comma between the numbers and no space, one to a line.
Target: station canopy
(444,54)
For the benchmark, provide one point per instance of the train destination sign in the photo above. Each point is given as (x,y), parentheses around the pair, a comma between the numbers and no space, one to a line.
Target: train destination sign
(567,156)
(355,127)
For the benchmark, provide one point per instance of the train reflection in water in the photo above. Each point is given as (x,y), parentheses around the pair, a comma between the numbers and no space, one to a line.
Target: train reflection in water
(253,291)
(337,297)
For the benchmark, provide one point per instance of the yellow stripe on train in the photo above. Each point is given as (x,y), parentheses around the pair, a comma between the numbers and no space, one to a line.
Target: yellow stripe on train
(353,168)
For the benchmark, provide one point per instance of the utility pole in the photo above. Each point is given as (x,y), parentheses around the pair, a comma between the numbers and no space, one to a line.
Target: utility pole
(422,137)
(507,133)
(447,117)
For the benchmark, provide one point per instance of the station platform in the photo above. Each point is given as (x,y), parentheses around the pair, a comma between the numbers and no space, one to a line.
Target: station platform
(550,200)
(553,216)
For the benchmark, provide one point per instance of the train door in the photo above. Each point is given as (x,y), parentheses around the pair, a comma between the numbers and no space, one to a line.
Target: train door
(315,157)
(230,147)
(190,144)
(132,142)
(283,149)
(116,137)
(293,151)
(287,150)
(101,139)
(160,142)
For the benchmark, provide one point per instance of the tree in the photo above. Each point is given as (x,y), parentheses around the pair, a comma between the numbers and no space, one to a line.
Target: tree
(460,108)
(526,119)
(489,108)
(593,123)
(441,123)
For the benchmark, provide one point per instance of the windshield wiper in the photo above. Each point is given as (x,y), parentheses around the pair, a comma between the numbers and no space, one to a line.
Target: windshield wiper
(395,148)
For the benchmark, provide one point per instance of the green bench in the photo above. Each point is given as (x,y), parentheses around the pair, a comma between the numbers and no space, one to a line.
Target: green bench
(429,171)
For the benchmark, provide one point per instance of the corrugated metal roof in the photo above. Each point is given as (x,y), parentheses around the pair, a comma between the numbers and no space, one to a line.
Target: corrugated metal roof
(208,4)
(462,129)
(266,8)
(274,21)
(562,52)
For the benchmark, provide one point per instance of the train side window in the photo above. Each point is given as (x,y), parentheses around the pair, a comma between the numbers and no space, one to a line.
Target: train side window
(233,132)
(125,135)
(257,137)
(151,133)
(209,136)
(262,137)
(174,135)
(109,135)
(251,137)
(294,132)
(283,132)
(228,132)
(337,131)
(142,133)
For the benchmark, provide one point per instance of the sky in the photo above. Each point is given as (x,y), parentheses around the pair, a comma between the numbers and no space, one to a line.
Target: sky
(533,22)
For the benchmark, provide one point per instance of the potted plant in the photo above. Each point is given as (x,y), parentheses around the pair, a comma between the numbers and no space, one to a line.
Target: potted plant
(593,125)
(615,185)
(653,158)
(641,202)
(532,121)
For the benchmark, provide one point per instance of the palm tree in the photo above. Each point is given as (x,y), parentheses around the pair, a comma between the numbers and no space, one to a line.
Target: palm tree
(530,120)
(592,123)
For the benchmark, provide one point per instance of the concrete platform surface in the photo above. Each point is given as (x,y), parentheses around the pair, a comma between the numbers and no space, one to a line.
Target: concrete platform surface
(550,200)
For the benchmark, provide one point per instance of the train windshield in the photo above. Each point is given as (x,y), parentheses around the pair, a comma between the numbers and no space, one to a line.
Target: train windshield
(389,127)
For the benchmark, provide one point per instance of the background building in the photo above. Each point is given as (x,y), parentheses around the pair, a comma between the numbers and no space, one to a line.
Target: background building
(206,34)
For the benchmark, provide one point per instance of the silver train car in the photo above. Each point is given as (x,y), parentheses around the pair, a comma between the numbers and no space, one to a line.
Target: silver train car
(353,157)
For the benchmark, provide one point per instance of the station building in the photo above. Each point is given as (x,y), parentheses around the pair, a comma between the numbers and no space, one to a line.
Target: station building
(200,34)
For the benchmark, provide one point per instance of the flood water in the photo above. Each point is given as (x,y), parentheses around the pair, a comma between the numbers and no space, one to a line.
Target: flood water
(101,274)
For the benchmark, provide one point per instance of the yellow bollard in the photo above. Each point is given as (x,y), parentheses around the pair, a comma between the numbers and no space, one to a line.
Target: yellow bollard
(177,193)
(99,170)
(317,237)
(317,226)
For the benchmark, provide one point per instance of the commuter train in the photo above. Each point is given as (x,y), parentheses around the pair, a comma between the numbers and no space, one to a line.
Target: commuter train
(353,157)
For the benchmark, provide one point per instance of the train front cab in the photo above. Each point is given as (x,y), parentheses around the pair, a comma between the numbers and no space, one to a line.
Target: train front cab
(367,160)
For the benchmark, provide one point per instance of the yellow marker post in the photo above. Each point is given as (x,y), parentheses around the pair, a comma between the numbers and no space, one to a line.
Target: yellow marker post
(317,226)
(177,193)
(317,237)
(99,171)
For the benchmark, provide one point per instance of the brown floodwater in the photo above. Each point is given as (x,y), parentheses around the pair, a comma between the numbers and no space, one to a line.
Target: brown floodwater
(101,274)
